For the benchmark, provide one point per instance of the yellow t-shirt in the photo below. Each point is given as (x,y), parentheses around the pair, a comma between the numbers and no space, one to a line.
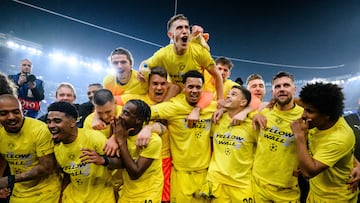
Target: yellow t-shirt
(233,156)
(275,157)
(149,184)
(210,87)
(196,57)
(190,147)
(90,118)
(333,147)
(22,151)
(165,150)
(89,182)
(133,86)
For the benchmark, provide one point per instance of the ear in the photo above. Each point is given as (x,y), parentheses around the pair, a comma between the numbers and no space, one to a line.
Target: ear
(73,123)
(138,121)
(170,35)
(243,102)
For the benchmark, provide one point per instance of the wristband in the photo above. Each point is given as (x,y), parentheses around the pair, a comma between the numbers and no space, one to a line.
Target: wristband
(11,181)
(106,159)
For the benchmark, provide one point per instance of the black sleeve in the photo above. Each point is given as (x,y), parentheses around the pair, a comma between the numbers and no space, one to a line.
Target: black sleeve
(38,91)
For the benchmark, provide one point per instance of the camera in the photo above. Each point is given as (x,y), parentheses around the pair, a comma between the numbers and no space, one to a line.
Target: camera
(30,78)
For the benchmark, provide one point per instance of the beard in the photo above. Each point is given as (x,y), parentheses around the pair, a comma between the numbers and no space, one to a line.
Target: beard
(283,102)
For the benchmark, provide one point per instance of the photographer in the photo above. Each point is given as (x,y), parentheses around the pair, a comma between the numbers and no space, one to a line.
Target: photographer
(30,89)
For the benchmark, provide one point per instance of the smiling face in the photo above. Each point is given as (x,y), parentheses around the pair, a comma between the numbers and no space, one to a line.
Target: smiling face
(66,94)
(61,126)
(234,99)
(192,89)
(11,115)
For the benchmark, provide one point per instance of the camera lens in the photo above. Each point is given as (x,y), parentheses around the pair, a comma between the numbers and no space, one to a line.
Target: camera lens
(30,78)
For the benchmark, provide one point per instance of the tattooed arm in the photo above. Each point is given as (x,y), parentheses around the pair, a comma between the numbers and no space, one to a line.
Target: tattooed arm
(44,168)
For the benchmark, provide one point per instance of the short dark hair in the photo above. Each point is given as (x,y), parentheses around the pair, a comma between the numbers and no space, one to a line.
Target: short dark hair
(225,61)
(175,18)
(239,81)
(123,51)
(245,92)
(102,96)
(65,107)
(143,111)
(95,84)
(192,74)
(327,98)
(283,74)
(157,70)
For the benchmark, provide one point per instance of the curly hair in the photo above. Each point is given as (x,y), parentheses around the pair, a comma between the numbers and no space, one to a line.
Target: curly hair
(327,98)
(143,111)
(7,86)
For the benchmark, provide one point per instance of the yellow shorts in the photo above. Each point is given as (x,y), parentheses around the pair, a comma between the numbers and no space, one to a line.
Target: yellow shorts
(185,186)
(316,199)
(221,193)
(264,192)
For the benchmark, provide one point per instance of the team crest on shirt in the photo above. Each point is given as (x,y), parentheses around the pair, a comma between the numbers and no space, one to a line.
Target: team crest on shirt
(71,156)
(279,120)
(181,67)
(11,145)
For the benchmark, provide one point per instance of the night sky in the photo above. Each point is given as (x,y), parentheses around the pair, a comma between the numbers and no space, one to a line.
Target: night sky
(319,34)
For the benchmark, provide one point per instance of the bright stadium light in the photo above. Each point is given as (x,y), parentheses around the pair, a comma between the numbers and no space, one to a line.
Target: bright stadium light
(72,60)
(57,56)
(96,67)
(13,45)
(110,71)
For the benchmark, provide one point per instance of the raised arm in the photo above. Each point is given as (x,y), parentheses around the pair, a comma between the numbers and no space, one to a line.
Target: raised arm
(309,166)
(218,85)
(135,168)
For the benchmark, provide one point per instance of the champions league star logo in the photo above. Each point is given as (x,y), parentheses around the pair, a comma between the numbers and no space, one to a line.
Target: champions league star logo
(273,147)
(227,151)
(198,134)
